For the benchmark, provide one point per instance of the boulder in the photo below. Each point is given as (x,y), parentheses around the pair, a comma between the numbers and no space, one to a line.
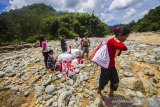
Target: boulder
(9,69)
(50,89)
(2,74)
(148,72)
(38,90)
(64,98)
(128,74)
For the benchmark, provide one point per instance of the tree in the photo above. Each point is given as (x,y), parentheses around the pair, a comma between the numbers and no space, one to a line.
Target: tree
(63,31)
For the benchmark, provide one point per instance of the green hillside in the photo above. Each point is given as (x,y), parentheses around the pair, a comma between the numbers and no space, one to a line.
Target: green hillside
(27,23)
(150,22)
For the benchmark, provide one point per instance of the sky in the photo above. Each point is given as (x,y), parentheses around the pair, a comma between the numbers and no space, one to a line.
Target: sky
(110,12)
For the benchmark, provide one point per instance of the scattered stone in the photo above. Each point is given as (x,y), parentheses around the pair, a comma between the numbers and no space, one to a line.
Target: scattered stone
(99,102)
(128,74)
(137,101)
(154,80)
(25,77)
(148,72)
(59,76)
(49,80)
(47,97)
(130,93)
(2,74)
(71,82)
(38,90)
(156,49)
(64,98)
(11,74)
(139,94)
(54,104)
(20,81)
(154,102)
(125,66)
(89,65)
(84,77)
(86,95)
(14,89)
(26,93)
(9,69)
(49,103)
(77,70)
(50,88)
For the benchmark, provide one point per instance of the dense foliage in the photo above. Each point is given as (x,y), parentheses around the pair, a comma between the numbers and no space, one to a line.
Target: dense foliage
(150,22)
(29,22)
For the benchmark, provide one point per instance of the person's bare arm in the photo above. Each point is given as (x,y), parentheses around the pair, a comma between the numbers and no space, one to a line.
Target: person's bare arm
(89,42)
(81,41)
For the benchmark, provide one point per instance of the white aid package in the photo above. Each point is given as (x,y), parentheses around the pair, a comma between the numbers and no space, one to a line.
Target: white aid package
(101,55)
(77,63)
(76,53)
(65,57)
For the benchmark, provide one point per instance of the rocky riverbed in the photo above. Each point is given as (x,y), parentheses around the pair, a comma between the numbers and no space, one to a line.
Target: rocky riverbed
(24,82)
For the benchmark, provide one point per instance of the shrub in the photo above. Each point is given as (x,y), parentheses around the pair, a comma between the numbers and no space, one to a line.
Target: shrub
(31,39)
(63,31)
(72,34)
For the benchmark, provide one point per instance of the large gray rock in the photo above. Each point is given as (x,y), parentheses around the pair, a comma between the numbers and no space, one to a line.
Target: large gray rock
(54,104)
(50,89)
(139,94)
(25,77)
(130,93)
(64,98)
(9,69)
(2,74)
(47,97)
(59,76)
(77,70)
(156,49)
(49,103)
(84,76)
(14,89)
(38,90)
(137,101)
(99,102)
(128,74)
(150,59)
(143,45)
(48,81)
(148,72)
(139,57)
(125,66)
(154,101)
(26,93)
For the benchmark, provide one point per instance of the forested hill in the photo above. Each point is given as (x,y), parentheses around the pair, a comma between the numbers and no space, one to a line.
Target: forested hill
(27,23)
(150,22)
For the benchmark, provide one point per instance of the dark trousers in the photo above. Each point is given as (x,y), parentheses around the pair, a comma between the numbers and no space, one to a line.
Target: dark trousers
(64,48)
(45,54)
(106,75)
